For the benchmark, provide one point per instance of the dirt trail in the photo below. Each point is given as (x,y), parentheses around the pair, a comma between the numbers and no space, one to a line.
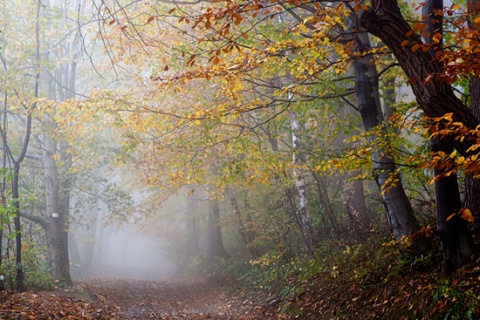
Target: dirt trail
(179,299)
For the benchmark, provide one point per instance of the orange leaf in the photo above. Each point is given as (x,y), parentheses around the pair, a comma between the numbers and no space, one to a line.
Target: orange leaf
(415,47)
(466,214)
(150,19)
(238,18)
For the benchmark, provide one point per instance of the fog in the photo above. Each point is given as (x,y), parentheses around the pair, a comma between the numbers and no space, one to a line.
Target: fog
(130,254)
(119,250)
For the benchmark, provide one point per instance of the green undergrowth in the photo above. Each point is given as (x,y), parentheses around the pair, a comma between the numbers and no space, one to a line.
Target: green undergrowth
(372,280)
(36,274)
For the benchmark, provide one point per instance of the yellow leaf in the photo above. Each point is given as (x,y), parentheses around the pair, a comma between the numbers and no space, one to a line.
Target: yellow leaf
(451,216)
(437,37)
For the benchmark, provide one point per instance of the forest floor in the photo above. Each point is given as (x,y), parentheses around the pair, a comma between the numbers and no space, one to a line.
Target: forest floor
(104,298)
(368,281)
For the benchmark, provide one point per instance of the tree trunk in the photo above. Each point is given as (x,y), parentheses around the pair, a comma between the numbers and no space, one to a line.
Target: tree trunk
(354,201)
(56,228)
(215,247)
(325,202)
(472,186)
(19,276)
(58,260)
(247,236)
(400,216)
(298,161)
(433,94)
(457,243)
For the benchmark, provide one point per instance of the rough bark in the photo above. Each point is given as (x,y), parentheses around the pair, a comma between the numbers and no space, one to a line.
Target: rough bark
(400,216)
(353,198)
(215,248)
(457,243)
(389,96)
(472,186)
(56,229)
(433,94)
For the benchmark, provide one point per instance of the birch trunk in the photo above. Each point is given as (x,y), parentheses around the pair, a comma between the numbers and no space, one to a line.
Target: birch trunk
(298,162)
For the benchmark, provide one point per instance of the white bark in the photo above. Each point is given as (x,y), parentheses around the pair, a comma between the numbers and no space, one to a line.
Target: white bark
(298,162)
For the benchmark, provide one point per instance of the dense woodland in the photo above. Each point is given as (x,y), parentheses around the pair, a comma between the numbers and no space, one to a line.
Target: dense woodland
(321,155)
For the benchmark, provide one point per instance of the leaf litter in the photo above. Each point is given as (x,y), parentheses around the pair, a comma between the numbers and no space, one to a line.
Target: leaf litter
(136,299)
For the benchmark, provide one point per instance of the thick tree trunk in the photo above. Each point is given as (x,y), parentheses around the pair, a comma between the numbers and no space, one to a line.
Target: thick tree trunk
(58,260)
(457,243)
(434,95)
(56,228)
(215,248)
(353,198)
(400,216)
(472,186)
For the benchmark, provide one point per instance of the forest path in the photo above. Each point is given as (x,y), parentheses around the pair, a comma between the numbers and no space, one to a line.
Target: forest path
(187,298)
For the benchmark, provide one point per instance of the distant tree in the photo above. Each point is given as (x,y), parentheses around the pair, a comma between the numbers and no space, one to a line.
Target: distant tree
(215,248)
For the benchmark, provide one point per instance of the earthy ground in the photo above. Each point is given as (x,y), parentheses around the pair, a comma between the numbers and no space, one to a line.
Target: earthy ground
(105,298)
(178,299)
